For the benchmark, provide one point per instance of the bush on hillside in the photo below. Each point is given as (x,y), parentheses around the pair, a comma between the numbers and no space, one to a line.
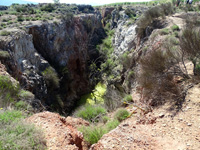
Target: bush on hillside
(164,31)
(8,91)
(93,134)
(127,98)
(190,45)
(121,114)
(51,78)
(48,8)
(16,134)
(24,9)
(150,15)
(5,33)
(175,27)
(91,113)
(20,18)
(158,69)
(4,55)
(112,98)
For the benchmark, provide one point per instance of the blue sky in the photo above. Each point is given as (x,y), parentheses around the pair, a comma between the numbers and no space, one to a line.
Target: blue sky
(91,2)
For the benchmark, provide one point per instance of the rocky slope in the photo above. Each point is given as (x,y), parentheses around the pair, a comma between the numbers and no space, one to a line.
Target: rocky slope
(68,45)
(161,129)
(172,126)
(60,132)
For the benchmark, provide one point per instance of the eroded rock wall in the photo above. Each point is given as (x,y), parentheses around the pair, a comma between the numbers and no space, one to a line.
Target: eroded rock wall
(69,46)
(25,64)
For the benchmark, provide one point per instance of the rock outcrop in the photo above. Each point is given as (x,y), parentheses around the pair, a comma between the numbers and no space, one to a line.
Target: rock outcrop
(68,45)
(25,63)
(125,38)
(60,132)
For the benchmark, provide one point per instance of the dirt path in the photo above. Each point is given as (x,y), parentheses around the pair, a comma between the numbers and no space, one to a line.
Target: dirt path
(160,130)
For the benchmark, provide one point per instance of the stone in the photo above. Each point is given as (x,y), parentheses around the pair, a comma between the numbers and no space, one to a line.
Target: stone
(161,115)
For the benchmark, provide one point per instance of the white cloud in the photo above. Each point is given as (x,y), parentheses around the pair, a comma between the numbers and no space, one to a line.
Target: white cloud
(92,2)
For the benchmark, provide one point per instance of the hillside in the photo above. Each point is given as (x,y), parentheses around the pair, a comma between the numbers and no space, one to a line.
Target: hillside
(130,71)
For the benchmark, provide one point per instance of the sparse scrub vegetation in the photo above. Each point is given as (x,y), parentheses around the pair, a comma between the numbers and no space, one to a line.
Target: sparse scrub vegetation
(175,28)
(4,55)
(127,98)
(121,114)
(91,113)
(20,18)
(190,45)
(93,133)
(9,91)
(51,78)
(16,134)
(48,8)
(158,70)
(5,33)
(164,31)
(150,15)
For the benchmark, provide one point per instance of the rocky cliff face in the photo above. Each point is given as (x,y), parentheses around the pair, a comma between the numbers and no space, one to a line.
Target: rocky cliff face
(125,29)
(25,63)
(67,45)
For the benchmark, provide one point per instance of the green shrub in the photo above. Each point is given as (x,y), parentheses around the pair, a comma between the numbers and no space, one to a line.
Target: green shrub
(26,95)
(10,22)
(90,112)
(131,13)
(22,105)
(150,15)
(125,60)
(92,134)
(33,19)
(9,116)
(48,8)
(20,18)
(127,98)
(105,119)
(51,78)
(164,31)
(131,74)
(24,9)
(197,69)
(15,134)
(4,20)
(28,18)
(8,91)
(4,54)
(5,33)
(110,125)
(3,24)
(173,40)
(176,34)
(175,28)
(121,114)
